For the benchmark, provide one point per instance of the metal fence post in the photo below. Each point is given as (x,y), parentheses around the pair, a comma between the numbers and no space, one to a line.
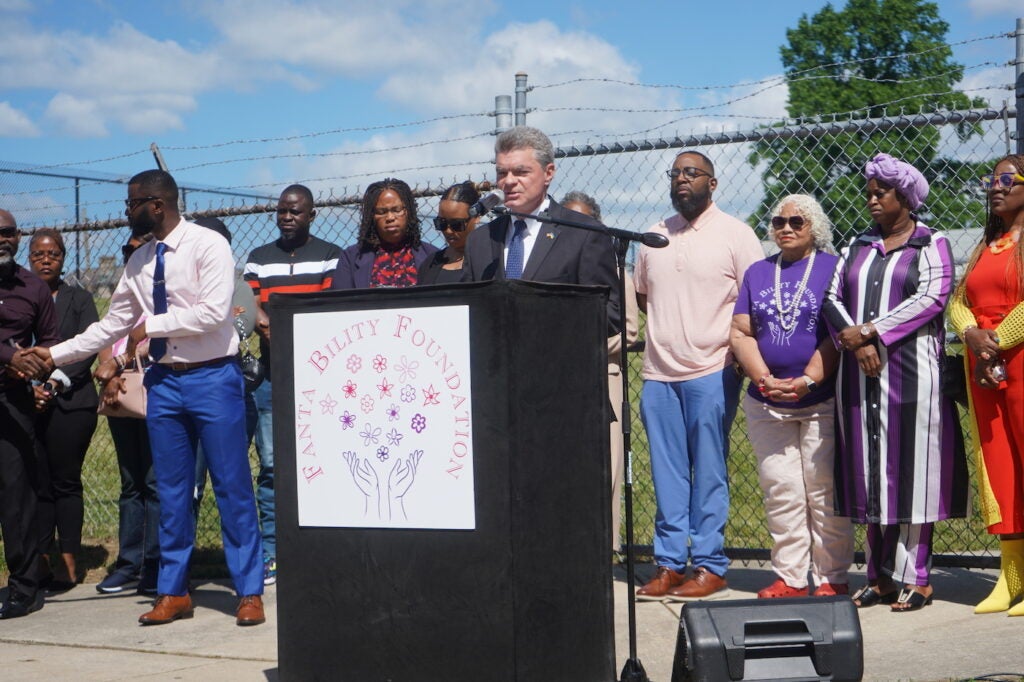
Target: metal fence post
(520,99)
(1019,80)
(502,113)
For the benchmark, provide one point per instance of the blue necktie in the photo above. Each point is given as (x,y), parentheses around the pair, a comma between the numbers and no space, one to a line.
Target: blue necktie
(158,347)
(514,261)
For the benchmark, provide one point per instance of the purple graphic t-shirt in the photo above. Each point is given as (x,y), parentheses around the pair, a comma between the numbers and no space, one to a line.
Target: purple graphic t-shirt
(786,347)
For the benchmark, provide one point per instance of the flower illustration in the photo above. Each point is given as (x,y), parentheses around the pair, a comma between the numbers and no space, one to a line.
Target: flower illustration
(419,422)
(407,369)
(354,364)
(349,389)
(380,363)
(393,413)
(383,453)
(370,435)
(430,396)
(394,437)
(328,404)
(408,394)
(348,420)
(384,387)
(366,404)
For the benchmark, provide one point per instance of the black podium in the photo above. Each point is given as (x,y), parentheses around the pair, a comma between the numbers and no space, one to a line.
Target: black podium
(526,592)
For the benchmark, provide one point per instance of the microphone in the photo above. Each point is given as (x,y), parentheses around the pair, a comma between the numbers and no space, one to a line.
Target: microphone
(487,203)
(654,240)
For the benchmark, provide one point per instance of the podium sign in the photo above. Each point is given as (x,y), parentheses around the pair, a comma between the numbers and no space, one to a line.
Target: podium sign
(442,484)
(383,432)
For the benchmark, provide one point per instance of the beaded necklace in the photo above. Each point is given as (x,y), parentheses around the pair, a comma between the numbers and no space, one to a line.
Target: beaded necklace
(789,314)
(1005,242)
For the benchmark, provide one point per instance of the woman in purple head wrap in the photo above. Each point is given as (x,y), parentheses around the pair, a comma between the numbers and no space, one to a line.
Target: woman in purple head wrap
(899,464)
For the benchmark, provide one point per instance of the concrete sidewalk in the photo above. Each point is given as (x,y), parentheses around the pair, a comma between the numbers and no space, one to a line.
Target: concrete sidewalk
(82,635)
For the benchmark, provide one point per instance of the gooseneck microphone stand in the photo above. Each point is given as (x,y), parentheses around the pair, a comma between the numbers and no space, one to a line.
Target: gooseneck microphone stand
(633,670)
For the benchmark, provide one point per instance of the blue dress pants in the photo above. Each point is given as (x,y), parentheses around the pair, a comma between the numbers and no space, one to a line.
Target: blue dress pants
(687,424)
(185,408)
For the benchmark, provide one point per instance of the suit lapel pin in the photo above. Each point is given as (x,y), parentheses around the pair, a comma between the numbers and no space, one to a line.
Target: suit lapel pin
(550,235)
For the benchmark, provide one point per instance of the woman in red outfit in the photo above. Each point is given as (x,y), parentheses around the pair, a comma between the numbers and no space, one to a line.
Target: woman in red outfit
(988,314)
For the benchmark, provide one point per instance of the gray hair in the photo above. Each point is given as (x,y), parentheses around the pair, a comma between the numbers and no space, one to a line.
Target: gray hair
(525,137)
(811,211)
(576,197)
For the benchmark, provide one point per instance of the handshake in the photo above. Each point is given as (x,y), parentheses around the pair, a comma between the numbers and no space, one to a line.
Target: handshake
(31,363)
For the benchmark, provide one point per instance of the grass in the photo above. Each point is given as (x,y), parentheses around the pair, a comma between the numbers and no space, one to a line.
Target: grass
(746,527)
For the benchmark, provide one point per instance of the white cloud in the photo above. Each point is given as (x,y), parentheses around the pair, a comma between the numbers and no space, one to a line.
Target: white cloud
(982,8)
(14,123)
(75,116)
(991,83)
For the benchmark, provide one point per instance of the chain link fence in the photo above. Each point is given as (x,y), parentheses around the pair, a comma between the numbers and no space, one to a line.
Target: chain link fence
(628,181)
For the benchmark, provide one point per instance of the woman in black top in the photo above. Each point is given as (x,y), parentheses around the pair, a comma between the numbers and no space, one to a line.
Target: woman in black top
(68,418)
(454,223)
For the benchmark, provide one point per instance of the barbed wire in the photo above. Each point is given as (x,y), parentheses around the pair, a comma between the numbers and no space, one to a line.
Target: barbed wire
(805,120)
(86,163)
(771,78)
(356,152)
(321,133)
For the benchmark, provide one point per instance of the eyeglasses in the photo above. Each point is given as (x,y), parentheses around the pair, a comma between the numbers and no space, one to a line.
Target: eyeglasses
(382,212)
(132,204)
(689,171)
(1002,180)
(8,232)
(795,221)
(453,224)
(40,255)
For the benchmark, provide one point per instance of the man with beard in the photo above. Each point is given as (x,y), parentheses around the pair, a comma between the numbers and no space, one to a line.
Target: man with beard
(182,282)
(27,316)
(691,390)
(295,262)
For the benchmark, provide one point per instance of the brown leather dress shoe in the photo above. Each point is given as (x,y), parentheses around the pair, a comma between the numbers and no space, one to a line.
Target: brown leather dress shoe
(703,584)
(250,611)
(168,608)
(660,584)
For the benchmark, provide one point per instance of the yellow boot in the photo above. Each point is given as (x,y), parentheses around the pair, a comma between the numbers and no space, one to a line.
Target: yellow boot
(1011,581)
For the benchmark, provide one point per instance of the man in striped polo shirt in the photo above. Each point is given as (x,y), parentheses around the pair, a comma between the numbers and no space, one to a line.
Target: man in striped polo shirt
(295,262)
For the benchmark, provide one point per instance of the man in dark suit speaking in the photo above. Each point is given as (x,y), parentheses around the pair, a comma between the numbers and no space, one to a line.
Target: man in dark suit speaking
(528,248)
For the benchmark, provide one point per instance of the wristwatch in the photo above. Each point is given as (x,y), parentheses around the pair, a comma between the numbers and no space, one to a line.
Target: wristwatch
(812,385)
(865,330)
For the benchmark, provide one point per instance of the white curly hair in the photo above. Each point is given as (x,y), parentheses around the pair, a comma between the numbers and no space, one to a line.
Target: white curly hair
(810,210)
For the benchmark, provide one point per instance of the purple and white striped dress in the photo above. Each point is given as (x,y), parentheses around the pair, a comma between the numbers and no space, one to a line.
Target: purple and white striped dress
(899,448)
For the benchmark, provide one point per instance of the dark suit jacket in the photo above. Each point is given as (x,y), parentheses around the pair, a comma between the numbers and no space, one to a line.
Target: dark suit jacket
(563,255)
(355,264)
(75,312)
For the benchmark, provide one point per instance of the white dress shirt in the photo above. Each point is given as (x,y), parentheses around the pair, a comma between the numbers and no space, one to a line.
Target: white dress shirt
(200,274)
(529,235)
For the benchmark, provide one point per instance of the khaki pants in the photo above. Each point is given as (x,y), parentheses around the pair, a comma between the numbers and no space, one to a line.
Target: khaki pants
(795,449)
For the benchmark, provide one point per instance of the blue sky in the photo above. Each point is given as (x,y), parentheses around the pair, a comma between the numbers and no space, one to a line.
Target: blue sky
(92,79)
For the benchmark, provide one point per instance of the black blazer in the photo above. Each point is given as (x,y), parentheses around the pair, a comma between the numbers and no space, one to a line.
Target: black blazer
(75,312)
(563,255)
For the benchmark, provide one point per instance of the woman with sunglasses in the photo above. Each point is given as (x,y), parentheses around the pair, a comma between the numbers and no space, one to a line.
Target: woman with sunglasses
(454,224)
(777,329)
(67,417)
(988,313)
(390,250)
(900,463)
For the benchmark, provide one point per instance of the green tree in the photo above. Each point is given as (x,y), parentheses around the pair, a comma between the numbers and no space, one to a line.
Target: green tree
(871,58)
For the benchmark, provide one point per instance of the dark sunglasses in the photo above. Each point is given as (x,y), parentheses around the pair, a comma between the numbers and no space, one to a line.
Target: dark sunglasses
(132,204)
(795,221)
(454,224)
(8,232)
